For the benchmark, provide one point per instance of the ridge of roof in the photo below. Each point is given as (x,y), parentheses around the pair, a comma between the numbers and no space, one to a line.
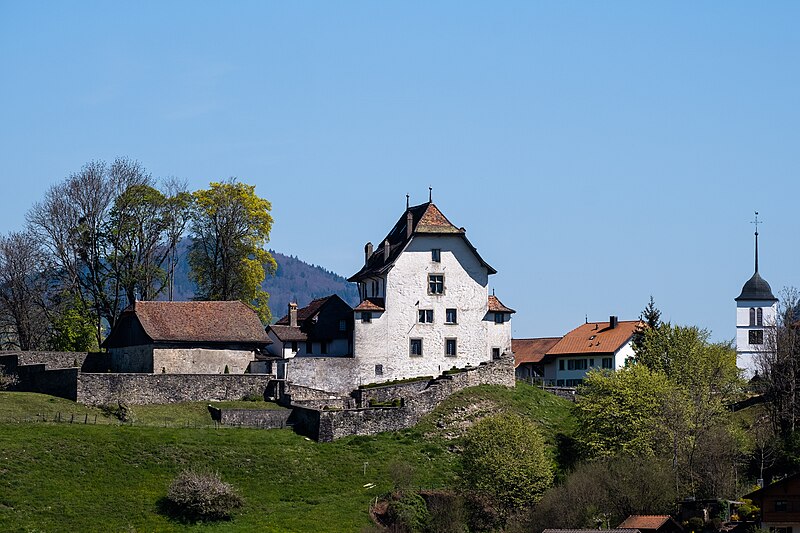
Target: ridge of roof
(531,350)
(426,219)
(304,313)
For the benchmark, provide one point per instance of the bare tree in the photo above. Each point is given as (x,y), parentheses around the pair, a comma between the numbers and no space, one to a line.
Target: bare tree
(778,364)
(23,291)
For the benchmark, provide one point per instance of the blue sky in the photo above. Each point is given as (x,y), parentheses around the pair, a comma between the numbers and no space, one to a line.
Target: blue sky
(596,152)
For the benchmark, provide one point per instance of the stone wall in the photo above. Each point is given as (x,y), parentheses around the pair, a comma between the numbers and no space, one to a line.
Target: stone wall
(101,389)
(319,399)
(59,382)
(53,360)
(336,374)
(260,418)
(419,399)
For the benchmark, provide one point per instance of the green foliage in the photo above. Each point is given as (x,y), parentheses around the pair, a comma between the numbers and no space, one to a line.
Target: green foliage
(74,328)
(601,493)
(408,512)
(230,228)
(619,411)
(202,496)
(504,457)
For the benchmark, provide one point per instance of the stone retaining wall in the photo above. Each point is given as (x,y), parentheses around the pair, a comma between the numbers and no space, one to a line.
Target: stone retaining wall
(101,389)
(259,418)
(329,425)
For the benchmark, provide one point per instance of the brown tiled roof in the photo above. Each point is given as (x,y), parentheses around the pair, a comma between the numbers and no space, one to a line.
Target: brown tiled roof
(199,322)
(595,337)
(531,350)
(640,521)
(288,333)
(371,304)
(496,306)
(425,218)
(306,312)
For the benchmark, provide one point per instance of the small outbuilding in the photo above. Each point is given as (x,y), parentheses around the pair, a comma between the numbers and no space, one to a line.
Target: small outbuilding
(186,338)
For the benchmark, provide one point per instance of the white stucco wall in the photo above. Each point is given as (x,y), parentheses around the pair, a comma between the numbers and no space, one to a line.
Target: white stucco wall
(746,353)
(386,340)
(553,374)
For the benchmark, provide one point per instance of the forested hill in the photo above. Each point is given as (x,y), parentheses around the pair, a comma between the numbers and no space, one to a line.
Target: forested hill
(295,281)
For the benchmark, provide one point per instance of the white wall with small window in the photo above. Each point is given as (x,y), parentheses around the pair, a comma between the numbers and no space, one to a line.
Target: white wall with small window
(755,324)
(570,370)
(436,295)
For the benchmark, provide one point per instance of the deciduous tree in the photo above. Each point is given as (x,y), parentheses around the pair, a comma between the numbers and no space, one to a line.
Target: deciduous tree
(230,229)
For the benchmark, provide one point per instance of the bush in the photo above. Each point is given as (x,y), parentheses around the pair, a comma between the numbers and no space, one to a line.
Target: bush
(201,496)
(8,381)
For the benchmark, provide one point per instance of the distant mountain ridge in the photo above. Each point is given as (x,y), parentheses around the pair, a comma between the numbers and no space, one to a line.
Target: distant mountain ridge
(294,281)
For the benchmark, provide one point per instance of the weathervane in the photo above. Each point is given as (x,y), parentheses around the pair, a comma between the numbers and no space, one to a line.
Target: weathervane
(756,222)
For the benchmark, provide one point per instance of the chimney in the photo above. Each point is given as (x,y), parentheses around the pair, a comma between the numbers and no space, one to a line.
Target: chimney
(386,250)
(367,252)
(613,321)
(409,224)
(293,314)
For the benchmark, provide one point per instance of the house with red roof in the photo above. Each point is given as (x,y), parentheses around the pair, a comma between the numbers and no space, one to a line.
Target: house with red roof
(651,524)
(564,362)
(186,338)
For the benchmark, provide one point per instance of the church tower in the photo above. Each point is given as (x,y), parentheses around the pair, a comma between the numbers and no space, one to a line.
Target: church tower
(756,314)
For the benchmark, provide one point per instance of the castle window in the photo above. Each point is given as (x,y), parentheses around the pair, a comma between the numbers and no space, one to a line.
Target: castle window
(435,283)
(495,353)
(450,347)
(451,316)
(752,316)
(425,316)
(759,317)
(756,336)
(378,370)
(343,325)
(366,316)
(499,318)
(436,255)
(415,347)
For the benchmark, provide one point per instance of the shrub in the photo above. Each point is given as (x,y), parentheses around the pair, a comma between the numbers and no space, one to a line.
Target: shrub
(202,496)
(8,381)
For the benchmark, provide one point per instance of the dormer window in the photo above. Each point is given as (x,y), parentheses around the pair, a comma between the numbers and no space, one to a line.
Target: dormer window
(436,255)
(499,318)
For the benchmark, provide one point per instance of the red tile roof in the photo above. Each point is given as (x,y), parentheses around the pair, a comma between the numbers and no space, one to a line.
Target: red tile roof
(595,337)
(496,306)
(371,304)
(531,350)
(199,321)
(639,521)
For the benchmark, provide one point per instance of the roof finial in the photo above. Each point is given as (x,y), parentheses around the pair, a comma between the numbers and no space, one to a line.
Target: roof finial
(430,194)
(492,291)
(407,198)
(756,223)
(586,319)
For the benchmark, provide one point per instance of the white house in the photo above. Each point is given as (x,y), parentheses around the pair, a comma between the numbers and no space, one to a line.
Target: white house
(756,315)
(603,345)
(424,308)
(425,305)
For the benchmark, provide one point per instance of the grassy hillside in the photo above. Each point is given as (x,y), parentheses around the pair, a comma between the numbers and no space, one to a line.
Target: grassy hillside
(61,477)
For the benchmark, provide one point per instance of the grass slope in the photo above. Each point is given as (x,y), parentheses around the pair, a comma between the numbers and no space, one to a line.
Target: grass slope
(62,477)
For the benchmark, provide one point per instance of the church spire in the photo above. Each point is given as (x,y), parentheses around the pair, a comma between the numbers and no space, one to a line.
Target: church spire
(756,223)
